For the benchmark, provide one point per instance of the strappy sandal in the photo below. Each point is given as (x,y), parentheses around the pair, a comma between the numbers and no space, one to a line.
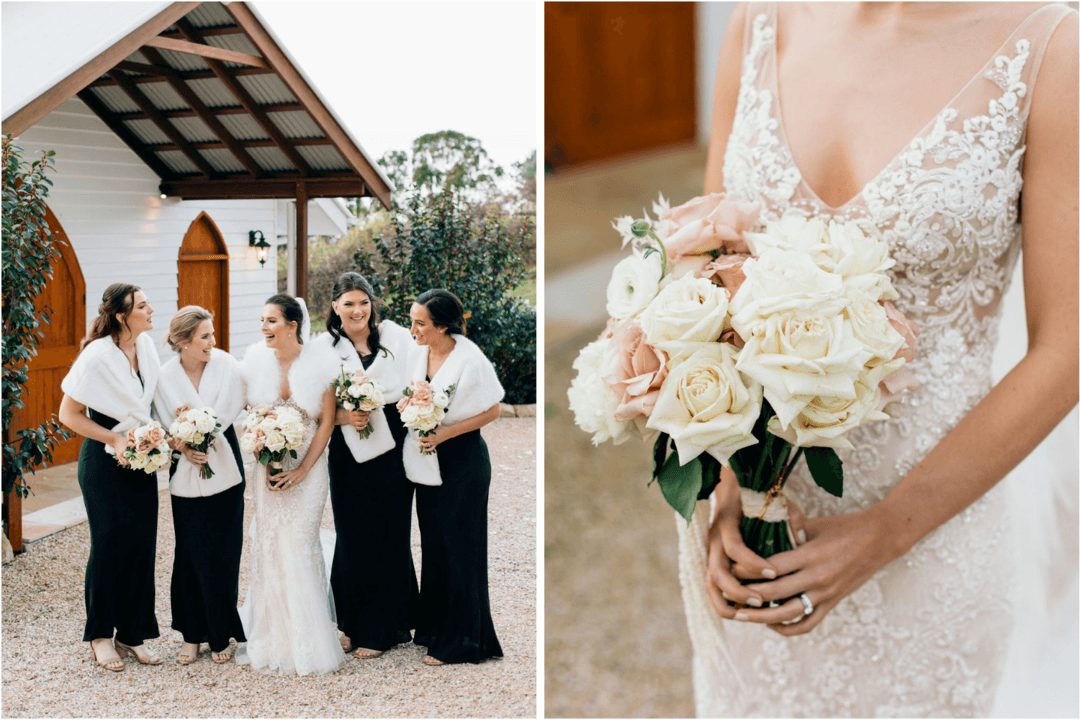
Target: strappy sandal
(220,658)
(183,658)
(149,659)
(366,653)
(116,664)
(433,661)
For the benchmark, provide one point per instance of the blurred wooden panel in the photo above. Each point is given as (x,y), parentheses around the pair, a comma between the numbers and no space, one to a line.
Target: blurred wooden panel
(618,78)
(203,274)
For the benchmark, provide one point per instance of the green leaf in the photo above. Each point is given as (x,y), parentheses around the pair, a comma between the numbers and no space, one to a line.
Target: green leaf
(826,469)
(659,453)
(681,484)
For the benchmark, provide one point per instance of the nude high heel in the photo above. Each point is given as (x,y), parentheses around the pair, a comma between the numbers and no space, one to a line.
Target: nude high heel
(116,664)
(149,659)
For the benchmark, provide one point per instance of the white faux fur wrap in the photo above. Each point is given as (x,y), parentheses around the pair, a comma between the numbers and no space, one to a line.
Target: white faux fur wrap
(309,377)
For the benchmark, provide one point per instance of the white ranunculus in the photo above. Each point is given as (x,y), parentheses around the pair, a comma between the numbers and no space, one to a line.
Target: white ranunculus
(592,400)
(827,421)
(275,441)
(634,282)
(872,328)
(692,309)
(862,259)
(705,403)
(782,281)
(797,357)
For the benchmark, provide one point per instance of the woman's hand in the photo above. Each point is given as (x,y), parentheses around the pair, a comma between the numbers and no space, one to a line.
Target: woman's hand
(286,480)
(193,456)
(358,419)
(428,443)
(119,445)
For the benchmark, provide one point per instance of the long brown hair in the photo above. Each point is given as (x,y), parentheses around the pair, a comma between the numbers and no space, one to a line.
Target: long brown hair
(118,299)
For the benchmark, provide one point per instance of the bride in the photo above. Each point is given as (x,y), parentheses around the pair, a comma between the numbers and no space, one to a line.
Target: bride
(902,589)
(288,617)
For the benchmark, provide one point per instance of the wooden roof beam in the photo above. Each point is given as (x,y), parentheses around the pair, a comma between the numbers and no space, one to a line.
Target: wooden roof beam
(206,52)
(206,116)
(219,145)
(187,75)
(208,31)
(125,134)
(231,110)
(157,71)
(253,108)
(229,189)
(164,125)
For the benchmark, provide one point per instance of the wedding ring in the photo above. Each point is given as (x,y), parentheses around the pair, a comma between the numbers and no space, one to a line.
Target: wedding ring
(807,606)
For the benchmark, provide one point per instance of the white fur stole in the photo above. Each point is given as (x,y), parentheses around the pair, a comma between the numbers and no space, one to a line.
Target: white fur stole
(309,377)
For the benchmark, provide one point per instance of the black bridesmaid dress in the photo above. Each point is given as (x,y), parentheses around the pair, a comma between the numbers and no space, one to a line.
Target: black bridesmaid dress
(122,511)
(455,612)
(372,575)
(206,569)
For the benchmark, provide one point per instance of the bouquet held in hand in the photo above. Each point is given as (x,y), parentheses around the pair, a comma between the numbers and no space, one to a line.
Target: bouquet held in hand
(272,434)
(197,428)
(422,408)
(743,343)
(359,391)
(148,448)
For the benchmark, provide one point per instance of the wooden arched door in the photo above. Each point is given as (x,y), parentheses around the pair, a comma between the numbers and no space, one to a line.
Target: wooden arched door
(203,274)
(65,296)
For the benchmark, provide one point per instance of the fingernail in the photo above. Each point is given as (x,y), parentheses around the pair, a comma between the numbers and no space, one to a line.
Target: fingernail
(801,536)
(769,573)
(725,595)
(755,602)
(742,616)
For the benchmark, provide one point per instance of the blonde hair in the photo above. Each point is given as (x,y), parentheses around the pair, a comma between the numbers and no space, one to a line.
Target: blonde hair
(184,323)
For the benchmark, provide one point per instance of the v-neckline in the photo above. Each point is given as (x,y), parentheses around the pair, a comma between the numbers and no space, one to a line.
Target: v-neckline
(782,130)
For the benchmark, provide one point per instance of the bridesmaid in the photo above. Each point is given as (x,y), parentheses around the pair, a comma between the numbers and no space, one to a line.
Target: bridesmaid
(455,613)
(208,513)
(108,391)
(372,576)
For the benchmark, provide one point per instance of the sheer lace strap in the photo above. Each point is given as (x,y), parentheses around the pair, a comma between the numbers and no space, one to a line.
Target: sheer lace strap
(759,29)
(1038,28)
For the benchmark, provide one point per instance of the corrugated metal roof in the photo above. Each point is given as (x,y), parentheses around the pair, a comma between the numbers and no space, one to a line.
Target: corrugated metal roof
(271,159)
(183,61)
(243,127)
(212,92)
(209,14)
(162,95)
(323,157)
(296,124)
(177,161)
(137,56)
(266,88)
(194,129)
(114,98)
(147,131)
(222,160)
(240,43)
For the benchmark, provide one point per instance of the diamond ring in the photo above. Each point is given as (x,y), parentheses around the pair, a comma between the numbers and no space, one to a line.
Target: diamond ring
(807,606)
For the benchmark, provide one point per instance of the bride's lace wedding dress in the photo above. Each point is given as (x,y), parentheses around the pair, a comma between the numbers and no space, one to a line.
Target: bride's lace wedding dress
(926,635)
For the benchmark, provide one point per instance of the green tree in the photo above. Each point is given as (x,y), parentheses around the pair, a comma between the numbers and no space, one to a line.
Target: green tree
(444,161)
(29,250)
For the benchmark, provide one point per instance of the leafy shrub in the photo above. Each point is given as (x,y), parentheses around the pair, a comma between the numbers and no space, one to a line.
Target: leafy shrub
(438,241)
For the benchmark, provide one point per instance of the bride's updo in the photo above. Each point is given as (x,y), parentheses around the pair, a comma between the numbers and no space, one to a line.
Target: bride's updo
(184,323)
(292,311)
(445,309)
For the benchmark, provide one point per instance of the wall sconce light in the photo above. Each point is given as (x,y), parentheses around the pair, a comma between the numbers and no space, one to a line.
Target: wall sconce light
(257,240)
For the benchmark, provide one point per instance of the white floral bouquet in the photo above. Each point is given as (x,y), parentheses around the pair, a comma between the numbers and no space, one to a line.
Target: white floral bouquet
(197,428)
(272,434)
(148,448)
(359,391)
(746,349)
(422,407)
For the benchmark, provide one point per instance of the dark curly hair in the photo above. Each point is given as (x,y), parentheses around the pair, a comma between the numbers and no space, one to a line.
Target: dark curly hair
(445,309)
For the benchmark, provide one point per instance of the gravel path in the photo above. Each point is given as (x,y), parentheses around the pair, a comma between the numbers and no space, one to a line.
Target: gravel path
(48,673)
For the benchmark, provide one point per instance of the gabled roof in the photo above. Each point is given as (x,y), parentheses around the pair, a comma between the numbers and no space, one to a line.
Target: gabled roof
(206,96)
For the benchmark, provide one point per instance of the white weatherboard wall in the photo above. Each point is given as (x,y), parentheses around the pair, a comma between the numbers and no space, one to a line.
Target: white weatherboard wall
(108,202)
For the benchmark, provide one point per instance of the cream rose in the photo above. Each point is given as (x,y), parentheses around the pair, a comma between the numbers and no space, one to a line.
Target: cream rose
(795,232)
(705,404)
(275,441)
(781,281)
(592,399)
(634,282)
(798,357)
(861,258)
(690,309)
(870,325)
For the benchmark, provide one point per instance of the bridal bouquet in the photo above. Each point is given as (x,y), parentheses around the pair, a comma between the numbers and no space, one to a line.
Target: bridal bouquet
(422,407)
(747,349)
(272,434)
(148,448)
(197,428)
(359,391)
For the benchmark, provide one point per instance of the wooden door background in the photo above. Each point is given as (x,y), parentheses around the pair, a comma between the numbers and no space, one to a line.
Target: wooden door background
(65,295)
(203,274)
(618,78)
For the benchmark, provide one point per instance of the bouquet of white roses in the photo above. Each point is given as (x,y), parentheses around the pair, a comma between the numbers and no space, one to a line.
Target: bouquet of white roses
(197,428)
(272,434)
(148,448)
(422,407)
(359,391)
(747,349)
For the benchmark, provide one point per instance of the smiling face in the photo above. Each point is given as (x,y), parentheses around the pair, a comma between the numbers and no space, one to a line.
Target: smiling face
(423,329)
(201,343)
(354,309)
(275,330)
(139,319)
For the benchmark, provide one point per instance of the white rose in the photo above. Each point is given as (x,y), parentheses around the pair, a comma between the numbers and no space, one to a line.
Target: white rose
(348,405)
(862,259)
(797,358)
(185,431)
(780,281)
(826,421)
(705,404)
(247,443)
(138,462)
(795,232)
(691,309)
(275,441)
(634,282)
(205,423)
(592,400)
(870,325)
(355,391)
(409,415)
